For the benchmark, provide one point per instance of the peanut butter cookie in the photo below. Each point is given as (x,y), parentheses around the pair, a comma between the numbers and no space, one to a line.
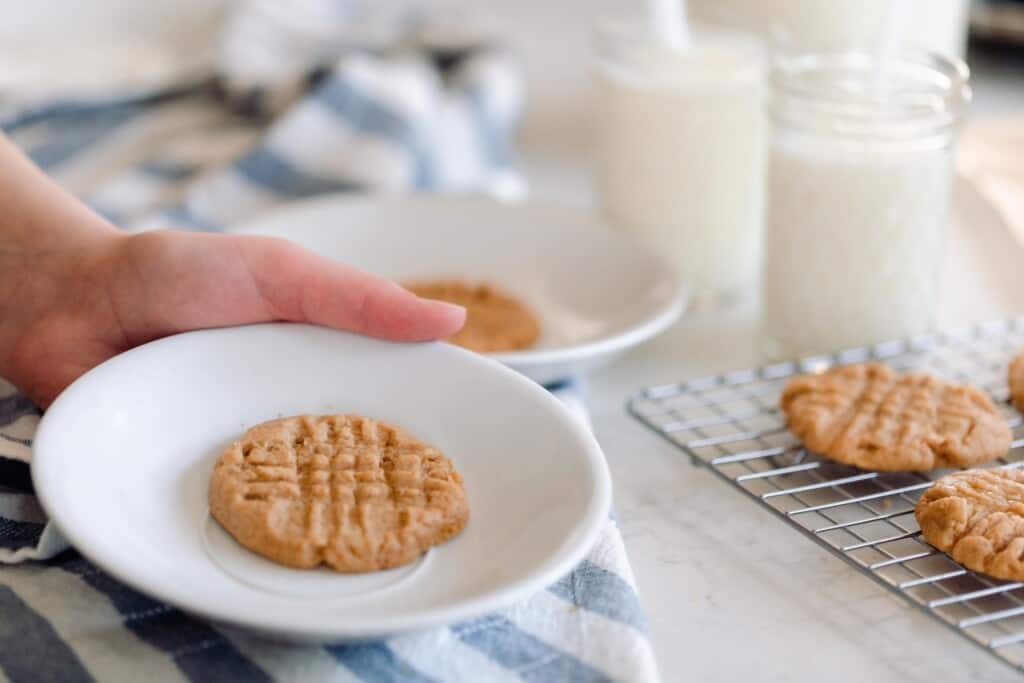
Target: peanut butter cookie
(495,320)
(342,490)
(977,517)
(1016,379)
(868,416)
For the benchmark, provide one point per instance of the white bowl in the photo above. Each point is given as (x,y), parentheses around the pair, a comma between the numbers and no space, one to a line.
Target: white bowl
(123,457)
(597,292)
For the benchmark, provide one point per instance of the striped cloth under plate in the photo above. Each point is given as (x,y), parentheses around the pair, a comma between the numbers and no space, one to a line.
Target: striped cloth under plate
(62,619)
(374,123)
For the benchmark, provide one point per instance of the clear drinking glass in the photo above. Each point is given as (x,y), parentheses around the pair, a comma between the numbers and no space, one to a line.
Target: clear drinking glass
(681,138)
(860,178)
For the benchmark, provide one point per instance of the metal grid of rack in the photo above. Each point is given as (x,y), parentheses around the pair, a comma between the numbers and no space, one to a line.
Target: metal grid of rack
(731,423)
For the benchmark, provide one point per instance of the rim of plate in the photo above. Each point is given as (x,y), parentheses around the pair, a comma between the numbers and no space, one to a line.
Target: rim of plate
(641,331)
(647,329)
(555,567)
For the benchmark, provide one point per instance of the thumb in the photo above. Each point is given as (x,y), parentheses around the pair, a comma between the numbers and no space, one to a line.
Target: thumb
(301,286)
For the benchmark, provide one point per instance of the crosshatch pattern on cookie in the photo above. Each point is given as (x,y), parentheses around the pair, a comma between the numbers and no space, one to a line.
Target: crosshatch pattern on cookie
(871,417)
(977,517)
(348,491)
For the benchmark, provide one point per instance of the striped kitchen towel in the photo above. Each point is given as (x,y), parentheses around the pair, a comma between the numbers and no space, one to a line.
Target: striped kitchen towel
(63,619)
(386,121)
(415,117)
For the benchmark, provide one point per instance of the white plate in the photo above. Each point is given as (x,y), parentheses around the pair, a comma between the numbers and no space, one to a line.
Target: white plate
(597,292)
(123,457)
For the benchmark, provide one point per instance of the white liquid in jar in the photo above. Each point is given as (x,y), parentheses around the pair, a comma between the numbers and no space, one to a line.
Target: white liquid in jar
(855,243)
(681,158)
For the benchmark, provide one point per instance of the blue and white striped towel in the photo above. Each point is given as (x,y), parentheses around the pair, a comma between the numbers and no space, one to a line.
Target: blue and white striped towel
(378,122)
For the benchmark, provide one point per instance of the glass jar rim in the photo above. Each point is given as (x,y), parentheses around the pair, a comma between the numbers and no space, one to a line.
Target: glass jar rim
(902,96)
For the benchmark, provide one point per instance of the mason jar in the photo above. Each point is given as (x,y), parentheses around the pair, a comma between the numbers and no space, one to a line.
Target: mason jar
(859,187)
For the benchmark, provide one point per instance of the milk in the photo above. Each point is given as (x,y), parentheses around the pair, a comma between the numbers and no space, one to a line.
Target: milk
(939,25)
(860,179)
(855,242)
(681,156)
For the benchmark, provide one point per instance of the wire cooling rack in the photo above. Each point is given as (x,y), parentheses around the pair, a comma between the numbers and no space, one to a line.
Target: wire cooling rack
(731,423)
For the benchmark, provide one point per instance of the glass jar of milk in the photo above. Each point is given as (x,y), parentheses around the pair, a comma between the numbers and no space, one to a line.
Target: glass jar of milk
(860,177)
(681,137)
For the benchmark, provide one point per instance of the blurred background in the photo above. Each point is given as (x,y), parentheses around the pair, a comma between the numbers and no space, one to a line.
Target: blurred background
(534,93)
(510,107)
(94,47)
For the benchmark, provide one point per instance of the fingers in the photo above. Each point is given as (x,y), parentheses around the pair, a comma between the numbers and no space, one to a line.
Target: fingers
(301,286)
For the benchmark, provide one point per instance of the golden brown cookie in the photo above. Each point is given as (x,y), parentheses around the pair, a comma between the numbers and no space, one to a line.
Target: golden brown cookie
(1016,379)
(343,490)
(977,517)
(495,320)
(868,416)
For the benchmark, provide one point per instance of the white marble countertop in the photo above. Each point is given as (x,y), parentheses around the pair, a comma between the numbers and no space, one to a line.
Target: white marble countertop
(730,591)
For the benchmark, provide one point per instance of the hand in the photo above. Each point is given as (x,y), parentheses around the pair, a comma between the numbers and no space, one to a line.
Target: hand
(68,306)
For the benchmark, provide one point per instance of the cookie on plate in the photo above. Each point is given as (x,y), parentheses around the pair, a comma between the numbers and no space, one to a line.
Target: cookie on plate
(868,416)
(495,320)
(343,490)
(977,517)
(1016,379)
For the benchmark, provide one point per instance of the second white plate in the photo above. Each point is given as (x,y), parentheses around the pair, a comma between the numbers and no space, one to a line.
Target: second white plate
(597,292)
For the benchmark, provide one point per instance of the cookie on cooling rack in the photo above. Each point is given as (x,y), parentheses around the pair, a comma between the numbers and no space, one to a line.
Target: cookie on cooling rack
(495,320)
(342,490)
(868,416)
(977,517)
(1016,379)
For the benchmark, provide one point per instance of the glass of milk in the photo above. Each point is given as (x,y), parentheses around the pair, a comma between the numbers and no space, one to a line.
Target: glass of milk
(860,177)
(681,138)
